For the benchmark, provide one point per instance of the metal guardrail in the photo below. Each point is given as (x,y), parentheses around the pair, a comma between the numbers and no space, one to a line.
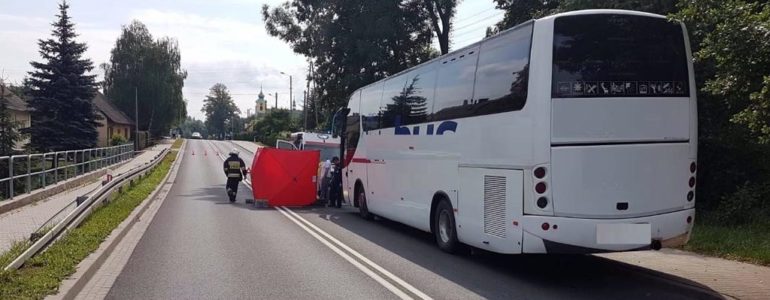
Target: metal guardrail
(84,208)
(26,173)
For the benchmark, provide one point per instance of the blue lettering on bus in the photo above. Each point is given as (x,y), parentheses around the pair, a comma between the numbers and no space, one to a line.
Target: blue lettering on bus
(442,127)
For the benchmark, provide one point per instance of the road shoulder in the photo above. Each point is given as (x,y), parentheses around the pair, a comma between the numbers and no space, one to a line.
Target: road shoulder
(96,274)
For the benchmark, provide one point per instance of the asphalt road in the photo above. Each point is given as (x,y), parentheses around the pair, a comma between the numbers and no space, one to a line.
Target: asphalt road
(201,246)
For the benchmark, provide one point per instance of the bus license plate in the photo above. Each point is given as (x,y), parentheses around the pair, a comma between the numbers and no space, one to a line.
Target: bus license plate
(623,234)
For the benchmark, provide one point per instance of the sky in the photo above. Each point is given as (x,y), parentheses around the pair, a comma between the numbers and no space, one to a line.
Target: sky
(221,41)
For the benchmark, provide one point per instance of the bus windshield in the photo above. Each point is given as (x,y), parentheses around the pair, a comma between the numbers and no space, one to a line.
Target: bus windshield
(618,55)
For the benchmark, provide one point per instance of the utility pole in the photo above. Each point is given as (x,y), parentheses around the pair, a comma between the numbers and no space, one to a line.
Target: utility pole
(276,101)
(136,117)
(313,93)
(291,101)
(304,108)
(307,88)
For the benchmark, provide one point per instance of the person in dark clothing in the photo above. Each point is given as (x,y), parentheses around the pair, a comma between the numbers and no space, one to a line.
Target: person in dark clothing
(335,186)
(235,169)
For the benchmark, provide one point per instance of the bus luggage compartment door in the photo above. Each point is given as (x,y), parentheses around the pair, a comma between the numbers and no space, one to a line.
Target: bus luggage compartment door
(488,201)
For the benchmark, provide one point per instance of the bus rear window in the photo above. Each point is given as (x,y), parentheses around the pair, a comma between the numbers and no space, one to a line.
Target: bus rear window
(614,55)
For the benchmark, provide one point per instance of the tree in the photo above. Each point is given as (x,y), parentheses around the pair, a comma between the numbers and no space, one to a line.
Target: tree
(151,71)
(520,11)
(62,112)
(220,110)
(273,125)
(351,42)
(9,129)
(191,125)
(734,45)
(440,13)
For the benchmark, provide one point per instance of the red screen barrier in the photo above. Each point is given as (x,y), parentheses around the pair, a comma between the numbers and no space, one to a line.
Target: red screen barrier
(285,177)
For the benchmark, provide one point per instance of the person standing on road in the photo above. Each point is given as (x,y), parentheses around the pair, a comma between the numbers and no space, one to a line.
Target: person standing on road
(335,185)
(235,169)
(325,178)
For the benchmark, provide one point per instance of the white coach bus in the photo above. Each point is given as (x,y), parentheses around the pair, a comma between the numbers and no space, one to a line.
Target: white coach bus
(574,133)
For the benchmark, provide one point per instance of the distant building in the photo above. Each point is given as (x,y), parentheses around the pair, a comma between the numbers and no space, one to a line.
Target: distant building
(19,112)
(261,106)
(114,122)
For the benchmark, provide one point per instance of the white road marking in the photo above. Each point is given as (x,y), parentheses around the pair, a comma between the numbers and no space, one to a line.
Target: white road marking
(315,231)
(347,257)
(355,253)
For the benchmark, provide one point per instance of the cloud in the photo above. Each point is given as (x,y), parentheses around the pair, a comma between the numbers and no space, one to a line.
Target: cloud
(23,32)
(236,53)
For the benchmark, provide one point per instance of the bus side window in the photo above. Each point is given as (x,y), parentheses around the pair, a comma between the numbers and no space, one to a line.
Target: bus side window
(503,72)
(454,89)
(393,104)
(370,106)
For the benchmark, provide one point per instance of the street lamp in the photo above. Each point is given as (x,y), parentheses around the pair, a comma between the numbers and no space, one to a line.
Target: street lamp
(291,102)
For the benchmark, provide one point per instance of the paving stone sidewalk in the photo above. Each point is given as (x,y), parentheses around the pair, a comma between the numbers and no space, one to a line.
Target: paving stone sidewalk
(18,224)
(730,278)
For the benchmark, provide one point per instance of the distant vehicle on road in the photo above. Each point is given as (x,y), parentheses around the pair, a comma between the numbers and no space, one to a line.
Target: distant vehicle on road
(196,135)
(597,152)
(328,145)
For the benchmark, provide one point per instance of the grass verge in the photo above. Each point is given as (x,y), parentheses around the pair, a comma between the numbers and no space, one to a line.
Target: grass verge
(16,249)
(42,275)
(177,144)
(748,243)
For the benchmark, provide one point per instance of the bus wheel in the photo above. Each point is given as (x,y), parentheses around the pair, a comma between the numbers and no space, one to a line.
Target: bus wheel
(445,228)
(363,210)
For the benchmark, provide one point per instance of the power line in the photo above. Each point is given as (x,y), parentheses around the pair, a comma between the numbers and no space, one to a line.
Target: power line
(470,27)
(470,22)
(473,15)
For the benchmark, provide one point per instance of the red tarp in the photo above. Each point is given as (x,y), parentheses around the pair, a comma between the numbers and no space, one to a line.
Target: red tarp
(285,177)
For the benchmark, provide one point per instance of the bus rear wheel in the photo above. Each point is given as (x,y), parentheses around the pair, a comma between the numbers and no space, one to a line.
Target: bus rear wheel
(445,227)
(363,210)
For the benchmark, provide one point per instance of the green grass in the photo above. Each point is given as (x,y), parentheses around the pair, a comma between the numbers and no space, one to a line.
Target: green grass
(16,249)
(748,243)
(177,144)
(42,275)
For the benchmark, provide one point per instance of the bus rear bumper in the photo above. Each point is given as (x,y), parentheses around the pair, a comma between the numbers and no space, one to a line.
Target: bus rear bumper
(574,235)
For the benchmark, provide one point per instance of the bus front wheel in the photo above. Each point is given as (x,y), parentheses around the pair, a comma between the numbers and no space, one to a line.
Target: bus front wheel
(363,210)
(445,228)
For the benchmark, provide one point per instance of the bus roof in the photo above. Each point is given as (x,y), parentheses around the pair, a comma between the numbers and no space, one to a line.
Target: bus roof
(571,13)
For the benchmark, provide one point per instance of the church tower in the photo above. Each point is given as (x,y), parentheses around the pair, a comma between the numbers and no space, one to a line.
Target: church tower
(261,108)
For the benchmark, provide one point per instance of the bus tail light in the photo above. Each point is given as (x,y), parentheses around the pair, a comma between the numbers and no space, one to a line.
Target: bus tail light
(690,196)
(545,226)
(693,167)
(692,182)
(689,219)
(539,198)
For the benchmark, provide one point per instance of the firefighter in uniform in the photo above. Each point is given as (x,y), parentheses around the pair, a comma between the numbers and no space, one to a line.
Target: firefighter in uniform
(235,169)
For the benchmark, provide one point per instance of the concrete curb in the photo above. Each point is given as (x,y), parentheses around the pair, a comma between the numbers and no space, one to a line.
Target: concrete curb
(86,269)
(45,193)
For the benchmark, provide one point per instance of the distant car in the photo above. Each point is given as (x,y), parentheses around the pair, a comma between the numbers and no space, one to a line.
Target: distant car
(196,135)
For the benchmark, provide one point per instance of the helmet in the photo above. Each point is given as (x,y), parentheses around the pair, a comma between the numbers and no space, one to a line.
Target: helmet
(234,152)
